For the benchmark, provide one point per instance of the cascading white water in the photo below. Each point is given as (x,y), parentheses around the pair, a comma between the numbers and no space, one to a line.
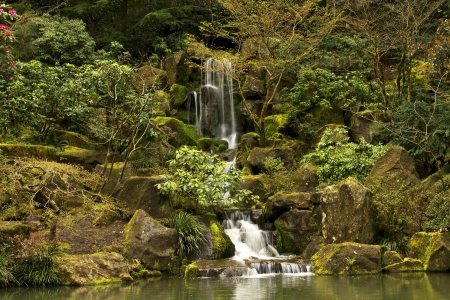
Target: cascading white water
(251,243)
(213,106)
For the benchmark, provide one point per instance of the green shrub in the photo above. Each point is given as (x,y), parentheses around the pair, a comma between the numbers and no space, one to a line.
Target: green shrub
(278,178)
(190,233)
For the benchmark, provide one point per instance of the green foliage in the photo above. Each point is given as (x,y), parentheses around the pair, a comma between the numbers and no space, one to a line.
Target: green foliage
(338,159)
(190,233)
(64,41)
(203,178)
(6,276)
(278,177)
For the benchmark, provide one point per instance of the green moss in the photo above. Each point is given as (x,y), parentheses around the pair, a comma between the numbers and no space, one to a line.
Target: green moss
(178,94)
(283,239)
(191,270)
(274,124)
(422,245)
(407,265)
(73,139)
(144,273)
(222,245)
(181,134)
(22,150)
(163,99)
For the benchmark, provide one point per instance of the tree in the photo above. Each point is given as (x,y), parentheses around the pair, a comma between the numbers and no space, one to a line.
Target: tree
(272,36)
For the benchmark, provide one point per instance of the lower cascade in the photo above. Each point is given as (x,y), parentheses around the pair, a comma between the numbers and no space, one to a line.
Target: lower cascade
(255,247)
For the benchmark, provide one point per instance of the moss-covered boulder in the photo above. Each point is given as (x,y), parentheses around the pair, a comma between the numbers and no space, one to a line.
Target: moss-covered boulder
(12,228)
(275,124)
(347,258)
(405,266)
(178,69)
(86,158)
(163,103)
(306,179)
(148,77)
(347,213)
(433,249)
(63,137)
(97,268)
(394,169)
(367,124)
(148,241)
(294,228)
(178,94)
(111,173)
(258,154)
(390,258)
(23,150)
(176,132)
(247,142)
(137,192)
(340,132)
(208,144)
(282,202)
(327,115)
(255,184)
(191,270)
(222,245)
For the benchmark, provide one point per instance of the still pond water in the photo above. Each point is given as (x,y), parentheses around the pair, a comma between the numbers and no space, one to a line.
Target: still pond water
(281,287)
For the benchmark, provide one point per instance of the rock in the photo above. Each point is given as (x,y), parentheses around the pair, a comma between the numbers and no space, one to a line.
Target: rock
(177,132)
(178,94)
(347,213)
(86,158)
(72,138)
(340,132)
(275,124)
(294,229)
(222,245)
(258,154)
(12,228)
(255,184)
(254,84)
(433,249)
(178,71)
(306,179)
(103,267)
(394,169)
(36,151)
(315,243)
(282,202)
(347,258)
(191,270)
(390,258)
(367,124)
(150,242)
(407,265)
(116,170)
(221,268)
(163,103)
(148,77)
(138,192)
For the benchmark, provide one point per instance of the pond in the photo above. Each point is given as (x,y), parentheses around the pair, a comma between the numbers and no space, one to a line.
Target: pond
(281,287)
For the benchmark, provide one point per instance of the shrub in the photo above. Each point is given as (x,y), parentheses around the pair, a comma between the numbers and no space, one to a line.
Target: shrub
(278,178)
(190,233)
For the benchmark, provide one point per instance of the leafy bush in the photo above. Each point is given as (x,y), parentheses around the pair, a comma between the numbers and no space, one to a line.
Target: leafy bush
(203,178)
(190,233)
(338,159)
(278,178)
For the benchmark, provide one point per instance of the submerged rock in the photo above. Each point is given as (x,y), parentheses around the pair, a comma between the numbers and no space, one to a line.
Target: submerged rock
(347,258)
(347,213)
(103,267)
(150,242)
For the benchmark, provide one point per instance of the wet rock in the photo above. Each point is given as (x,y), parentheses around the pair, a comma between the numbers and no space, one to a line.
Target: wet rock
(150,242)
(347,213)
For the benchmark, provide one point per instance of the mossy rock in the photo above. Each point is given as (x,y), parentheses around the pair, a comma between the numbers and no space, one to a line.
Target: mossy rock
(36,151)
(222,245)
(191,270)
(406,266)
(72,138)
(339,136)
(178,69)
(347,259)
(177,132)
(255,184)
(114,171)
(367,124)
(258,154)
(306,179)
(325,115)
(144,273)
(163,100)
(147,77)
(178,94)
(275,124)
(436,177)
(85,158)
(283,202)
(12,228)
(433,249)
(390,258)
(208,144)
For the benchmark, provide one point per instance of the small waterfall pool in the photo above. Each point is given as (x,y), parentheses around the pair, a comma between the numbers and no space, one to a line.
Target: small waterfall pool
(255,247)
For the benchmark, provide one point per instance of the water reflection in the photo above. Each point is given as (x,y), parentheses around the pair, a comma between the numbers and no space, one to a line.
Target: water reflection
(281,287)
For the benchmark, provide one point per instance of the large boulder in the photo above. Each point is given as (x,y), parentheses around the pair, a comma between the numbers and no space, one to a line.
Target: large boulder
(258,154)
(294,228)
(339,133)
(85,158)
(178,69)
(103,267)
(150,242)
(176,132)
(222,246)
(347,258)
(112,173)
(137,192)
(394,169)
(283,202)
(390,258)
(275,124)
(347,213)
(306,179)
(433,249)
(255,184)
(367,124)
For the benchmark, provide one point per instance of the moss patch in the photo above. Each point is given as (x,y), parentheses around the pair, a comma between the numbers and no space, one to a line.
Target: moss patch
(178,94)
(36,151)
(177,132)
(191,270)
(222,245)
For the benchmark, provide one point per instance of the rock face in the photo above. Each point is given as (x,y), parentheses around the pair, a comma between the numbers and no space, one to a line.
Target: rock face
(295,227)
(94,268)
(347,213)
(149,241)
(178,71)
(140,193)
(433,249)
(347,258)
(282,202)
(394,166)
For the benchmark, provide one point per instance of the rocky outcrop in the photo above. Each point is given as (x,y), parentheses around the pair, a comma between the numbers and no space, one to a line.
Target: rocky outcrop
(257,156)
(282,202)
(433,249)
(150,242)
(295,227)
(148,77)
(347,213)
(86,158)
(347,258)
(94,268)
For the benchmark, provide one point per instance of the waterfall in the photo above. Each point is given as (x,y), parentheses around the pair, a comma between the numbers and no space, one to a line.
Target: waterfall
(256,248)
(213,107)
